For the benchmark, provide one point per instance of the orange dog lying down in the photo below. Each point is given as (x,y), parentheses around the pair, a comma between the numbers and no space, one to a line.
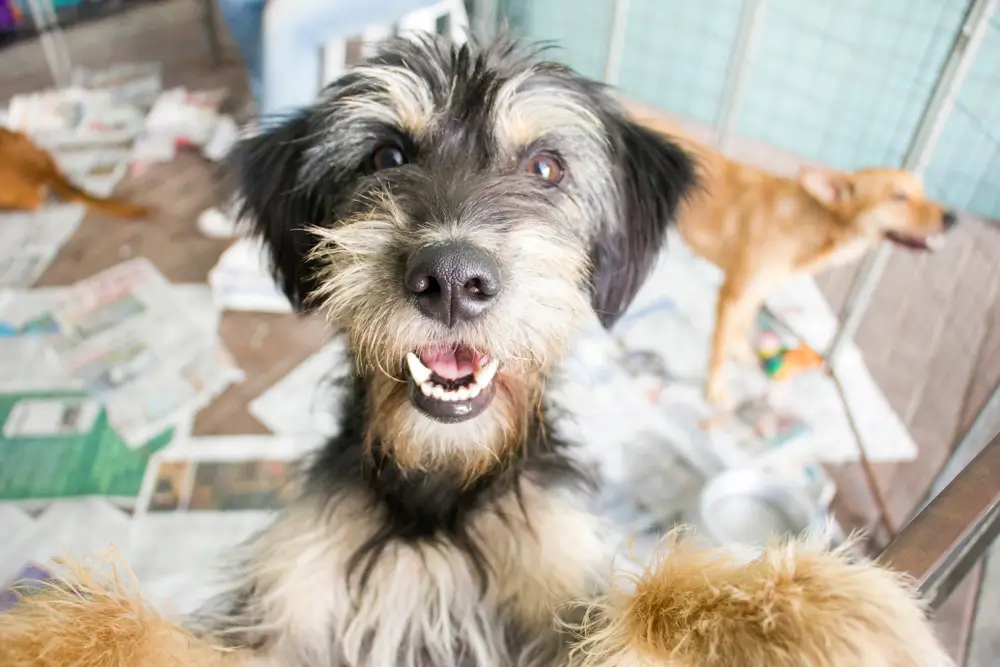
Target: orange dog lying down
(795,606)
(762,229)
(27,171)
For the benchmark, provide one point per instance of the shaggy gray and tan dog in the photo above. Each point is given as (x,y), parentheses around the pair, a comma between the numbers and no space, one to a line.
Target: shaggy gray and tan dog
(459,212)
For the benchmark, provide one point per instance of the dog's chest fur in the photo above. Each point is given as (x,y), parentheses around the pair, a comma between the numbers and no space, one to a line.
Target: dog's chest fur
(377,567)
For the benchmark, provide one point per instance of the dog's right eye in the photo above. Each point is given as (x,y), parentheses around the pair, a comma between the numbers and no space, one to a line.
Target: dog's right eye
(388,157)
(546,166)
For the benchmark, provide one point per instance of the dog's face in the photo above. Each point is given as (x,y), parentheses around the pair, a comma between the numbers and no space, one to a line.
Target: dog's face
(882,203)
(459,211)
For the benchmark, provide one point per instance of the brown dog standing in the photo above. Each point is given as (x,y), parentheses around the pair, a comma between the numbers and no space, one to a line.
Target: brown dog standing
(27,170)
(762,229)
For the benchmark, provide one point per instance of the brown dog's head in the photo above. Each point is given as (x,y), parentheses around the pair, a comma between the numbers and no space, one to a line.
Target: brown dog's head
(881,203)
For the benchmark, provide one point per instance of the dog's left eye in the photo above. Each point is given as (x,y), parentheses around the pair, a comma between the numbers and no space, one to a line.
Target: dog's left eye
(388,157)
(546,166)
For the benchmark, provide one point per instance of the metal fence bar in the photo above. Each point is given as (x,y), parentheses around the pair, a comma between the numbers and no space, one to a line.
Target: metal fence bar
(485,16)
(944,541)
(986,423)
(751,23)
(616,43)
(953,75)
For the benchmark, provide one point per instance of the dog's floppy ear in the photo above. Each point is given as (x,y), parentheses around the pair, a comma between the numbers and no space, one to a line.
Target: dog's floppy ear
(826,186)
(266,170)
(653,176)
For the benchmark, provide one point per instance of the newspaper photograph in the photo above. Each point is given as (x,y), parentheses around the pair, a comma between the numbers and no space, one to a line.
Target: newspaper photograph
(59,445)
(30,241)
(201,498)
(125,333)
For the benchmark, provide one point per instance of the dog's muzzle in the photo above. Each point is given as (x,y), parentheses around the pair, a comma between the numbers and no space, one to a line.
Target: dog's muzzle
(451,283)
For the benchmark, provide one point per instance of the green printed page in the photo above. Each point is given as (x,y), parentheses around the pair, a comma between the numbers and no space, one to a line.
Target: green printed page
(59,444)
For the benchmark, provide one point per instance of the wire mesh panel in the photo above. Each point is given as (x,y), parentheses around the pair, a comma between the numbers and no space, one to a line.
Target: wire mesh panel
(965,167)
(844,82)
(580,29)
(677,54)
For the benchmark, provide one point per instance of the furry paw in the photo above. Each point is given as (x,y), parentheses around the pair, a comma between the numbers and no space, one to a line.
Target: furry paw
(797,604)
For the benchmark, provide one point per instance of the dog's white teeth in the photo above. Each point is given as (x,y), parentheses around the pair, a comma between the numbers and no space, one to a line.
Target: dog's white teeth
(484,375)
(462,394)
(418,371)
(474,390)
(438,392)
(935,242)
(427,388)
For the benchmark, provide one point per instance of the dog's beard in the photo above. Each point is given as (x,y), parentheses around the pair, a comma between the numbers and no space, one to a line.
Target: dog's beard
(417,440)
(439,395)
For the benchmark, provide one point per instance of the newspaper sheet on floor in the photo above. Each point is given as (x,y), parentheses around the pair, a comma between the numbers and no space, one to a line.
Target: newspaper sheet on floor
(98,170)
(200,499)
(30,241)
(307,400)
(132,83)
(79,530)
(137,348)
(68,116)
(241,280)
(55,438)
(16,523)
(666,338)
(58,444)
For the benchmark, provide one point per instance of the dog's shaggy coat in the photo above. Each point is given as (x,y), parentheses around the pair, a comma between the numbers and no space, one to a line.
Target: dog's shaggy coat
(447,524)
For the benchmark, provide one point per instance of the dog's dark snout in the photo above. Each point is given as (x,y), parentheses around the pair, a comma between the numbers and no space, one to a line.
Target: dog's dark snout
(452,282)
(949,219)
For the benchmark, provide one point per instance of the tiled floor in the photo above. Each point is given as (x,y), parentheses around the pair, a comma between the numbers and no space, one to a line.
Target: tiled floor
(930,338)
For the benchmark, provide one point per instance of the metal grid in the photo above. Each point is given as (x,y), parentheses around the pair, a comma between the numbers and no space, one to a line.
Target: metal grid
(845,83)
(580,31)
(676,54)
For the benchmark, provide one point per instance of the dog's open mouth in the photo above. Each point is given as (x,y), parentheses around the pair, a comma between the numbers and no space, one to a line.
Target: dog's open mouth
(933,242)
(451,383)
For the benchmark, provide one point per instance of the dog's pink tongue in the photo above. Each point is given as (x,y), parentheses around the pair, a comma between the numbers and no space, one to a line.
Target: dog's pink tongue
(450,363)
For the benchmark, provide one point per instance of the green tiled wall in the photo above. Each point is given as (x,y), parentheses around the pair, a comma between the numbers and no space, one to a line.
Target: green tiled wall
(841,81)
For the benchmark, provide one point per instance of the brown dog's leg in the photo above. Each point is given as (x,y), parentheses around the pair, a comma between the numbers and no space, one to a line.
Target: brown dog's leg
(726,315)
(742,349)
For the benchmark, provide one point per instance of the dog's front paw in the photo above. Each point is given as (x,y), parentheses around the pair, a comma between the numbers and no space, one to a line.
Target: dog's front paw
(744,354)
(715,392)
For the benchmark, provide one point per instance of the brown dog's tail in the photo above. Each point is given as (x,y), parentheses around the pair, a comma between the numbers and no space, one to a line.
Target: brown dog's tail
(795,606)
(119,208)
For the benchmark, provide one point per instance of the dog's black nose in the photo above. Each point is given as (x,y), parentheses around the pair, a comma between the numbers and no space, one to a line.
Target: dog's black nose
(452,282)
(949,219)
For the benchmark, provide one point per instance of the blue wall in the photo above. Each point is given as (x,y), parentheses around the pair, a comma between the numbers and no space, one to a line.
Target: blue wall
(840,81)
